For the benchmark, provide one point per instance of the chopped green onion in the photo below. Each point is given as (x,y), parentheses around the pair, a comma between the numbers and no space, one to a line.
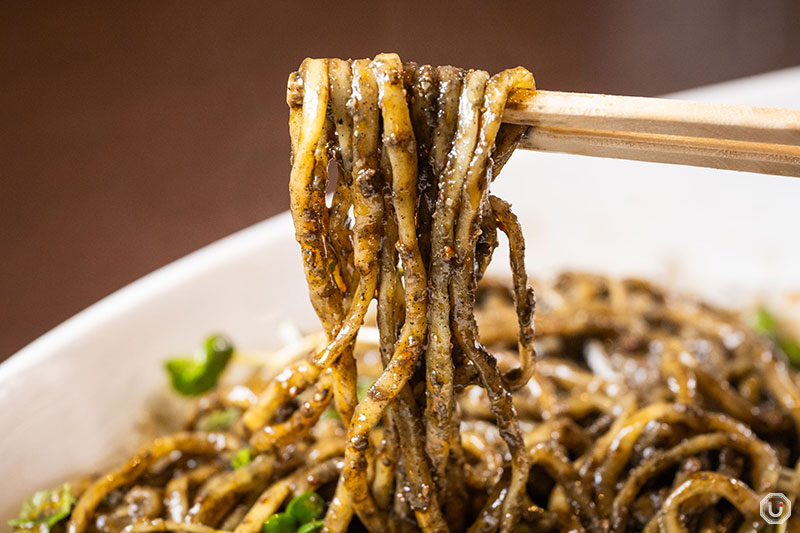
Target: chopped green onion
(44,509)
(306,507)
(362,386)
(242,458)
(792,350)
(311,527)
(192,376)
(218,420)
(330,414)
(280,523)
(766,324)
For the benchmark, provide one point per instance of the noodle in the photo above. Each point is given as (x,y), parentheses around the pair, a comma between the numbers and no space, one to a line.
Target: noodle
(634,410)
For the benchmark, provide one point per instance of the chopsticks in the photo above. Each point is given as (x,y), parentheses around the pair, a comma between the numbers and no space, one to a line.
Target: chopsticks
(752,139)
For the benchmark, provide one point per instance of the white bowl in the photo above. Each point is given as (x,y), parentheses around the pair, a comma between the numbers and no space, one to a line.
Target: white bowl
(71,400)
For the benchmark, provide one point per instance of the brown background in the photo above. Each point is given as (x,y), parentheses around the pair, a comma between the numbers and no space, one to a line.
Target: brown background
(132,133)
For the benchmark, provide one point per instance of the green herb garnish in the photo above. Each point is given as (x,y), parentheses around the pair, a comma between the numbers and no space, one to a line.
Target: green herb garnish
(307,510)
(242,458)
(330,414)
(766,324)
(44,509)
(218,420)
(311,527)
(792,350)
(280,523)
(192,376)
(362,386)
(306,507)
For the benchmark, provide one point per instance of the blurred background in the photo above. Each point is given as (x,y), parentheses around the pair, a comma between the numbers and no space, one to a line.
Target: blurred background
(132,133)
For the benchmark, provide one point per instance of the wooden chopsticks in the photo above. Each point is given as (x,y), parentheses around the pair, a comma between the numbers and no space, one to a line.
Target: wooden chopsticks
(753,139)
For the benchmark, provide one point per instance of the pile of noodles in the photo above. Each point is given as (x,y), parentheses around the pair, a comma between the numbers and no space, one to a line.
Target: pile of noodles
(644,412)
